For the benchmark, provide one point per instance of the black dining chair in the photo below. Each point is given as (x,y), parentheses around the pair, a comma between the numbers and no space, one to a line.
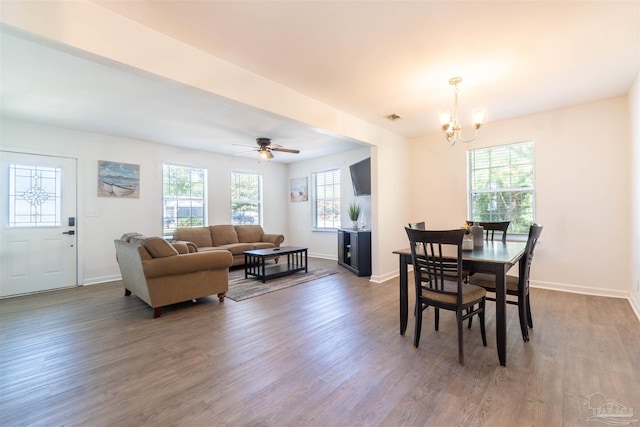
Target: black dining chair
(489,233)
(516,286)
(438,281)
(491,227)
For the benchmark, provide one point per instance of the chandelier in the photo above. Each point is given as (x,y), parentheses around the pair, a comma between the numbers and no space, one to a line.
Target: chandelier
(450,124)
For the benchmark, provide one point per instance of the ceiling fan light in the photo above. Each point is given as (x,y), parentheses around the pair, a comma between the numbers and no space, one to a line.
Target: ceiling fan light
(265,154)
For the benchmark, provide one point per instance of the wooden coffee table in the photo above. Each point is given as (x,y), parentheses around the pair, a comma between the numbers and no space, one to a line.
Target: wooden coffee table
(255,260)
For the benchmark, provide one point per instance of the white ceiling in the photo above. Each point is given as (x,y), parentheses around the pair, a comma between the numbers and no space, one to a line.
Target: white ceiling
(367,58)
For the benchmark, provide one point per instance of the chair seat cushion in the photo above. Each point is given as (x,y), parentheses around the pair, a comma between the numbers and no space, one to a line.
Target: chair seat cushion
(488,281)
(470,293)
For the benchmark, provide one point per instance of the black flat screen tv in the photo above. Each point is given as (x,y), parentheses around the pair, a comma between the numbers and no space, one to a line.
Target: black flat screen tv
(361,177)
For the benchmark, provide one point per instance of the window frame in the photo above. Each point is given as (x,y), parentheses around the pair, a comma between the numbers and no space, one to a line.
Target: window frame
(250,219)
(335,200)
(510,190)
(176,199)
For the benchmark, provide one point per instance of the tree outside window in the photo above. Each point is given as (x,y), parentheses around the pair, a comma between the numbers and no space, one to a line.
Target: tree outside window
(246,198)
(501,185)
(326,199)
(184,201)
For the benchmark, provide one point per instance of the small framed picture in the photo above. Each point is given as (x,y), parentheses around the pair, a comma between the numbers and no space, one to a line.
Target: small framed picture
(299,191)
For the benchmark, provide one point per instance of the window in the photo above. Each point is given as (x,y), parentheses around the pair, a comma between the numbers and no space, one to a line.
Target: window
(501,185)
(246,198)
(326,199)
(183,193)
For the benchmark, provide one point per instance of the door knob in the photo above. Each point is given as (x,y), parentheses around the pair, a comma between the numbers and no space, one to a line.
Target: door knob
(70,232)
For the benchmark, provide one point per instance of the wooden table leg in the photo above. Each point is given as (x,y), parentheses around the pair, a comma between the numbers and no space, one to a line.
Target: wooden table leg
(501,314)
(404,294)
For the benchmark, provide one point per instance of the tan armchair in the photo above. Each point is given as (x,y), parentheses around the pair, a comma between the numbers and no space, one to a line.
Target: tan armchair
(160,274)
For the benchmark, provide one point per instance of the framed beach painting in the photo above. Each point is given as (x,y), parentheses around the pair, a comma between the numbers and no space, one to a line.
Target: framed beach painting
(299,189)
(121,180)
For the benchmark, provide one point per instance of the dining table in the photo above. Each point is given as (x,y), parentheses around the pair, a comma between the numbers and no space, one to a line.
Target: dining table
(493,257)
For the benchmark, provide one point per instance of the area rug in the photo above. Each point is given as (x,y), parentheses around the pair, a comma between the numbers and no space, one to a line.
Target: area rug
(241,289)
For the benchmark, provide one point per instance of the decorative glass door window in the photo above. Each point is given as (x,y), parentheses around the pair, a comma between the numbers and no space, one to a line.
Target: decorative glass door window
(34,196)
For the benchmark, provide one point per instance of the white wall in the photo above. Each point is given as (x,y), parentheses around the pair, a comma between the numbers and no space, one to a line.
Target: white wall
(86,26)
(117,216)
(634,226)
(321,243)
(583,170)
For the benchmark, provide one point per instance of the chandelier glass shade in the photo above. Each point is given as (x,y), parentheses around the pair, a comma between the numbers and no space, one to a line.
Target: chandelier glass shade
(449,122)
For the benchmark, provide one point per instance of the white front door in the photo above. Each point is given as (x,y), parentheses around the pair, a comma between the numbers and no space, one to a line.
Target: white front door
(38,223)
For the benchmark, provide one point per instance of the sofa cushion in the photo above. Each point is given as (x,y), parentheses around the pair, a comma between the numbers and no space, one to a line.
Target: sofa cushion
(223,235)
(249,233)
(159,248)
(263,245)
(236,248)
(201,236)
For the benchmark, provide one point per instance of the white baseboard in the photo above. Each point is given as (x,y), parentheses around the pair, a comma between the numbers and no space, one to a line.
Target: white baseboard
(576,289)
(384,277)
(103,279)
(324,256)
(635,306)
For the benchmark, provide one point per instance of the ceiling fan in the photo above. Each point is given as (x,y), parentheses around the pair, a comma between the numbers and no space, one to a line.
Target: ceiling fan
(265,148)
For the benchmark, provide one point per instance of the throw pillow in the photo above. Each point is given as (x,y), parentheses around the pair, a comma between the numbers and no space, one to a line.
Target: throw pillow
(159,248)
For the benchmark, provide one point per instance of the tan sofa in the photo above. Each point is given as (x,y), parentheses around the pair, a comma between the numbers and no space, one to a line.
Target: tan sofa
(161,273)
(234,238)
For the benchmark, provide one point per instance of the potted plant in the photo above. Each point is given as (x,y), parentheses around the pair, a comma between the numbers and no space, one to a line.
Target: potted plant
(467,242)
(354,214)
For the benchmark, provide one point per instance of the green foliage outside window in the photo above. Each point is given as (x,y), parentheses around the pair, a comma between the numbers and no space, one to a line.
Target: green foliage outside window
(246,198)
(183,197)
(501,185)
(326,199)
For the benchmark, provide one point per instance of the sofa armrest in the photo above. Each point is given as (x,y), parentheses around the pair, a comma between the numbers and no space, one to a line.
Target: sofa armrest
(184,247)
(276,239)
(187,263)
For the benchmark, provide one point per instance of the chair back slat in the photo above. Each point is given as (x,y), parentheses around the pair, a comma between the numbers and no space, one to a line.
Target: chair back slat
(432,268)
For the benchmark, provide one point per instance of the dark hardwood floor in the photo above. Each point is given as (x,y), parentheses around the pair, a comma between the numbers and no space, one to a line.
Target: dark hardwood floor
(323,353)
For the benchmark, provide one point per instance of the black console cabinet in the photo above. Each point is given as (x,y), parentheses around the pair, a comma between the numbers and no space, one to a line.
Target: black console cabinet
(354,251)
